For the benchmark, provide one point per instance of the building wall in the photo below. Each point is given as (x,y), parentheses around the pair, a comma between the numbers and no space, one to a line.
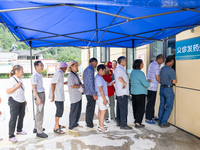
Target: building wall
(188,89)
(85,55)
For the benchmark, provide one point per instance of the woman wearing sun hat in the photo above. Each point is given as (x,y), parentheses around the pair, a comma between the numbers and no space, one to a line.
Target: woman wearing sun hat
(56,93)
(75,88)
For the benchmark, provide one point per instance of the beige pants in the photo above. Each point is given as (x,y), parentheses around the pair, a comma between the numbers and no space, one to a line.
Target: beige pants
(39,115)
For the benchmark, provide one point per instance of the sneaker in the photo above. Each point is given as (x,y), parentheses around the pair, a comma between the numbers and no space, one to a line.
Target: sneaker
(107,121)
(42,135)
(159,123)
(139,126)
(155,119)
(35,130)
(22,133)
(105,126)
(150,122)
(100,130)
(126,128)
(165,126)
(13,139)
(88,128)
(74,130)
(93,125)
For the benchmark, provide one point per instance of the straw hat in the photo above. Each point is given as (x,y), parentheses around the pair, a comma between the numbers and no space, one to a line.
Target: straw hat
(71,62)
(62,65)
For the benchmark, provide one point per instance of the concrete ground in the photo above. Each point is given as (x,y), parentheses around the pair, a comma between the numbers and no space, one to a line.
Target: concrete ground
(150,137)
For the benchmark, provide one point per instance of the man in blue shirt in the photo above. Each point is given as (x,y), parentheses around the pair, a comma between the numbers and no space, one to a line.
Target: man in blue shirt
(167,79)
(88,79)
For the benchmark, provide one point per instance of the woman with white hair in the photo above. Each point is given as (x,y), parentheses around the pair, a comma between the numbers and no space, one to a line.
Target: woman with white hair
(76,88)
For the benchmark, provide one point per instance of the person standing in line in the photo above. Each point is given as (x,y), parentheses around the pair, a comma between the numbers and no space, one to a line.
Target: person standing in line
(57,94)
(102,93)
(88,79)
(139,86)
(167,79)
(39,96)
(111,90)
(154,75)
(75,88)
(16,101)
(114,65)
(122,92)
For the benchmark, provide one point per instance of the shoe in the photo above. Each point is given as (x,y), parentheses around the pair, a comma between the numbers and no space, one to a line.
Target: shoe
(105,126)
(107,121)
(100,130)
(165,126)
(118,124)
(126,128)
(150,122)
(139,126)
(42,135)
(155,119)
(13,139)
(74,130)
(93,125)
(159,123)
(35,130)
(22,133)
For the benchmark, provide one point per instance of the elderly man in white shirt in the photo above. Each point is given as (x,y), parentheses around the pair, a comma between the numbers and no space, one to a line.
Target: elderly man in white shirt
(56,93)
(122,92)
(39,96)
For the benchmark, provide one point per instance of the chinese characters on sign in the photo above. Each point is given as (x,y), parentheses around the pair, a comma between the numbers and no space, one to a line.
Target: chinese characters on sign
(188,49)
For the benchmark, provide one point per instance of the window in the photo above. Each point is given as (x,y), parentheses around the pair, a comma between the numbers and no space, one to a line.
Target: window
(165,47)
(156,48)
(95,53)
(105,54)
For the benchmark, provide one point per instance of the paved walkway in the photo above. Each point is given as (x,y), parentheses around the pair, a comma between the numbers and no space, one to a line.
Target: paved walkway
(150,137)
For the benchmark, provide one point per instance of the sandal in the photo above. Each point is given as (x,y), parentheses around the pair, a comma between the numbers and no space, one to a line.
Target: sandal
(61,127)
(59,131)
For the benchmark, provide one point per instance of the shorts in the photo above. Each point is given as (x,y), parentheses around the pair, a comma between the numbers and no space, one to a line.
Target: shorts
(100,104)
(59,108)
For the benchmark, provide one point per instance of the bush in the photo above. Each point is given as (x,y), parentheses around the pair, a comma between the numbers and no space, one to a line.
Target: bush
(4,75)
(26,75)
(44,73)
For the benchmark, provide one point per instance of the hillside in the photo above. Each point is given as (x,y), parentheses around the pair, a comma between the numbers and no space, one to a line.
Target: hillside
(63,53)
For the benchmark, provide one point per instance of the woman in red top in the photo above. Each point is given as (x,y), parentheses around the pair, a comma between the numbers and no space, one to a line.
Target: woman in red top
(111,90)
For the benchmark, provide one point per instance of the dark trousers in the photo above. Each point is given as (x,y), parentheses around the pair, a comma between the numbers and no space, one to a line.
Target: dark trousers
(122,110)
(17,110)
(75,113)
(90,108)
(138,104)
(151,98)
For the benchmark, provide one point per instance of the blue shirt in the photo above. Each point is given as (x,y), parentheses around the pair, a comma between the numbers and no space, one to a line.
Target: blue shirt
(99,81)
(167,74)
(139,83)
(88,79)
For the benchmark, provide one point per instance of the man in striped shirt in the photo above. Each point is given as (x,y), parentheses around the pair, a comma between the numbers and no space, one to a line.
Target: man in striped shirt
(154,75)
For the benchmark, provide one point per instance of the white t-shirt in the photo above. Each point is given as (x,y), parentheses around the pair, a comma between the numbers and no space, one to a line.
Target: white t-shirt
(58,78)
(36,78)
(99,81)
(17,95)
(120,71)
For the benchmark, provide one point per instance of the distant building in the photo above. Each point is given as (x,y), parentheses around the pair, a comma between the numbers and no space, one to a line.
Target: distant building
(22,57)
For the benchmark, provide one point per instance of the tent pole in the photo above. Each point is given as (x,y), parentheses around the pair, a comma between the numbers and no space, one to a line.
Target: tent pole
(96,24)
(111,23)
(31,74)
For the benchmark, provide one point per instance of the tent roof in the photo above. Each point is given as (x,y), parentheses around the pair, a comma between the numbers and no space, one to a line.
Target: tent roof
(106,23)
